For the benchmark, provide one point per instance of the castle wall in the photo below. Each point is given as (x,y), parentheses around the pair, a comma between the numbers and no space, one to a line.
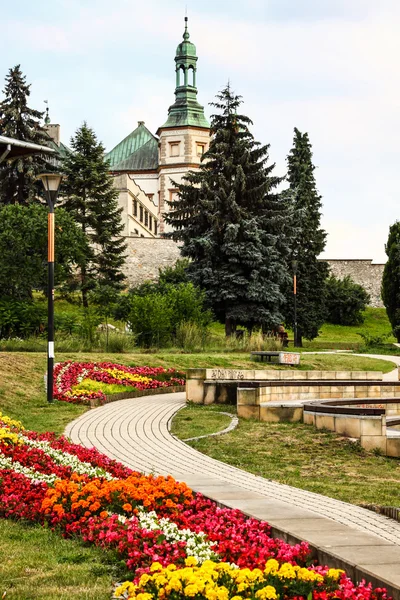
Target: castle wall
(145,256)
(363,272)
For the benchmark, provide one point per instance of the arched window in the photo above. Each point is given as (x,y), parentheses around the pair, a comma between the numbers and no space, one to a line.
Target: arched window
(192,76)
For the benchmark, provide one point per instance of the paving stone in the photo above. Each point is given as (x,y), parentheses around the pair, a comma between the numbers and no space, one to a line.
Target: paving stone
(136,432)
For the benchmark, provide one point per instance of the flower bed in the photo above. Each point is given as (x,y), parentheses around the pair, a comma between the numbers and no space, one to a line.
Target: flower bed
(176,543)
(68,376)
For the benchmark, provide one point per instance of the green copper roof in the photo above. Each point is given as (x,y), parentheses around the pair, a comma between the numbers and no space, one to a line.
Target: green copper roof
(186,48)
(144,159)
(62,150)
(186,111)
(135,141)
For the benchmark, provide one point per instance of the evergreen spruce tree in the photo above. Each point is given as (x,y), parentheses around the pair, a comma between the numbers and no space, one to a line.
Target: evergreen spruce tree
(92,199)
(233,224)
(391,279)
(18,120)
(307,243)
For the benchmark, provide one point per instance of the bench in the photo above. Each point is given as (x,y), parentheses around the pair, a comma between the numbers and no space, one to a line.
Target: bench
(284,358)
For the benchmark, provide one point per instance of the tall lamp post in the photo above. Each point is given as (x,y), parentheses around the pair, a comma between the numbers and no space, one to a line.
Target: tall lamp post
(294,266)
(51,183)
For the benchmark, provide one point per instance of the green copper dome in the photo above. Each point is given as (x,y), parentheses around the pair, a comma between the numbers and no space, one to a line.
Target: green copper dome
(186,48)
(186,111)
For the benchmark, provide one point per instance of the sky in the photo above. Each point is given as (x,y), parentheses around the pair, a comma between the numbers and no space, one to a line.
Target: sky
(328,67)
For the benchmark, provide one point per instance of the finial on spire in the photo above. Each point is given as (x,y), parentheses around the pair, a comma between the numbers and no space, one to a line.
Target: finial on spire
(47,117)
(186,35)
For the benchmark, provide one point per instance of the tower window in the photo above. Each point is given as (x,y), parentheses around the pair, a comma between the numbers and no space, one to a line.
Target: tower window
(150,222)
(146,218)
(174,148)
(200,149)
(135,208)
(141,213)
(173,195)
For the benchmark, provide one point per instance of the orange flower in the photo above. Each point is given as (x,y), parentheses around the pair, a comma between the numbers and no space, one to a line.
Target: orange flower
(127,507)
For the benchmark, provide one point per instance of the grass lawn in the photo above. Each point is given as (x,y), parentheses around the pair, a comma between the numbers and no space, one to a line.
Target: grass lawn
(36,563)
(22,394)
(191,422)
(297,455)
(376,324)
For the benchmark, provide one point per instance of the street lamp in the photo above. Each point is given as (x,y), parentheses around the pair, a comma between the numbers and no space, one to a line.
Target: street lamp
(294,266)
(51,183)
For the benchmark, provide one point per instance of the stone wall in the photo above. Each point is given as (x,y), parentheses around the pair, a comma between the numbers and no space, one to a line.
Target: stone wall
(145,256)
(363,272)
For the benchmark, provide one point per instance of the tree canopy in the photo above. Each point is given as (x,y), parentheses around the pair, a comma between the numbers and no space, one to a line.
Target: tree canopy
(391,279)
(307,242)
(18,120)
(91,199)
(233,223)
(23,249)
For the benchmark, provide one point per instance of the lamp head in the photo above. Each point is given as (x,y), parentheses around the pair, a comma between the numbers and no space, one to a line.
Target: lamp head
(51,183)
(294,266)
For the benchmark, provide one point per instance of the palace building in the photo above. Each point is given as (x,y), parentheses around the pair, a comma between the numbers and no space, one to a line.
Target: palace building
(147,166)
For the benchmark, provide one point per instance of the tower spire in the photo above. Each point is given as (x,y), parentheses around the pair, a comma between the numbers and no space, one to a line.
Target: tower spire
(186,110)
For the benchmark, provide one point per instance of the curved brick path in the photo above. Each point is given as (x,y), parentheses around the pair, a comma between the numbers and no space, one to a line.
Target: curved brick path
(136,432)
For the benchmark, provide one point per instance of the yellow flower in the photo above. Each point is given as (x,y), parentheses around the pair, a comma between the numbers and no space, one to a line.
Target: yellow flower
(156,566)
(287,571)
(271,567)
(190,590)
(307,575)
(222,593)
(210,593)
(174,584)
(144,596)
(191,561)
(8,437)
(242,587)
(236,598)
(127,586)
(334,573)
(267,592)
(144,579)
(255,575)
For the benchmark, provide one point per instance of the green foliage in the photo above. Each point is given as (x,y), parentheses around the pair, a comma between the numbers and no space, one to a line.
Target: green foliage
(345,301)
(156,310)
(233,223)
(191,336)
(176,274)
(307,243)
(391,279)
(150,319)
(23,249)
(92,201)
(21,319)
(18,120)
(373,341)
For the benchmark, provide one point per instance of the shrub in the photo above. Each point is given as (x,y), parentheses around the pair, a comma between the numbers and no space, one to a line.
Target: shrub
(345,301)
(150,318)
(155,312)
(21,319)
